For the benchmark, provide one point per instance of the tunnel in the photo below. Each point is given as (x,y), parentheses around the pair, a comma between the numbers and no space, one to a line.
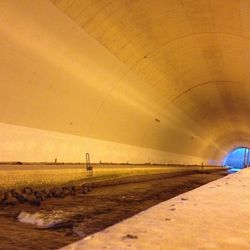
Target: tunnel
(126,81)
(122,121)
(237,159)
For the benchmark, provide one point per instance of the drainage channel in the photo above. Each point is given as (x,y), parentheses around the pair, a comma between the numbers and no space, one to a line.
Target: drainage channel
(62,221)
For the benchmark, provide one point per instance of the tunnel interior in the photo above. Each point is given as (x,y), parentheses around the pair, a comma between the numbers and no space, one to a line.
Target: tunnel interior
(237,159)
(163,82)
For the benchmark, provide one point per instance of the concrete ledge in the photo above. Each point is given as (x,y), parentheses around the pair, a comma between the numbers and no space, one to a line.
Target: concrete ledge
(214,216)
(21,175)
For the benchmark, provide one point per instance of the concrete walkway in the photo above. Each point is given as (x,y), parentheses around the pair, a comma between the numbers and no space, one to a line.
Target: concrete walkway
(214,216)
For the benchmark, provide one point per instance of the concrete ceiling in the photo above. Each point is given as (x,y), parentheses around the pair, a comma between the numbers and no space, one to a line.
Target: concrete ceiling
(172,75)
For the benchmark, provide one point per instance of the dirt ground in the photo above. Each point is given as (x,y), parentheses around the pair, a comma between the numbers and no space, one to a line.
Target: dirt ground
(102,207)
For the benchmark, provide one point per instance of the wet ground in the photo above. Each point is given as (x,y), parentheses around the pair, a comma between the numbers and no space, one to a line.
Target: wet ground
(102,207)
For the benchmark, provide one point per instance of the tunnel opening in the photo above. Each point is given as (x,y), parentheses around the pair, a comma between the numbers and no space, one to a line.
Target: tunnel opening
(237,159)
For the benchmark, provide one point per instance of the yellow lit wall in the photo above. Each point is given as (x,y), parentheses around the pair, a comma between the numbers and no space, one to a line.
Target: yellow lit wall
(32,145)
(137,81)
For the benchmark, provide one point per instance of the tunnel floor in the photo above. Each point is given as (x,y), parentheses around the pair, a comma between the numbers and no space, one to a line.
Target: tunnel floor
(102,207)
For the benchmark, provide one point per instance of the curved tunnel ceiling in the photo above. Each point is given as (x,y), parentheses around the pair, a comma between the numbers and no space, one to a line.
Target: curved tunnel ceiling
(171,75)
(194,53)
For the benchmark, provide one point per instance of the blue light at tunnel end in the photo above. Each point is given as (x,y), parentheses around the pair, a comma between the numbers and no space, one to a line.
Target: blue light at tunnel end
(237,159)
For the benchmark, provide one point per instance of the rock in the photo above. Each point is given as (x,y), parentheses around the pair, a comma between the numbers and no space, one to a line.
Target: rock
(27,190)
(12,192)
(169,219)
(78,232)
(5,195)
(50,195)
(53,191)
(74,188)
(86,189)
(29,197)
(21,198)
(57,192)
(80,191)
(40,196)
(45,192)
(10,201)
(35,202)
(131,236)
(66,191)
(32,200)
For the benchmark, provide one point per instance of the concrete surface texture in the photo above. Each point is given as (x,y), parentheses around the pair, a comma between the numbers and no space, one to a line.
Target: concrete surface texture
(41,174)
(169,76)
(213,216)
(20,176)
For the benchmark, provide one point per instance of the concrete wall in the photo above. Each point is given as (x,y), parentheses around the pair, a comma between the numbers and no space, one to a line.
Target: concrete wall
(28,144)
(68,91)
(12,176)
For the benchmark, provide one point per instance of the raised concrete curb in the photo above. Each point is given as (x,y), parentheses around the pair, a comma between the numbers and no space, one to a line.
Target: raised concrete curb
(15,176)
(22,175)
(214,216)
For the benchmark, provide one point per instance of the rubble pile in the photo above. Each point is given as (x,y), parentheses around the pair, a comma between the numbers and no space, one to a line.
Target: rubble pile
(35,197)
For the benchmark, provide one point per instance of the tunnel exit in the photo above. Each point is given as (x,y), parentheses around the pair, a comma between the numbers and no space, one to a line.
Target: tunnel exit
(237,159)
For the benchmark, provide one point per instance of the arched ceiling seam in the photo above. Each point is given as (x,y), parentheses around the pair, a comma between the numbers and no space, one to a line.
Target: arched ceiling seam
(159,48)
(153,52)
(201,85)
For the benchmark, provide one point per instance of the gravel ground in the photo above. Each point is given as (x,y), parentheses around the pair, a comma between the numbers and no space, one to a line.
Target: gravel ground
(107,204)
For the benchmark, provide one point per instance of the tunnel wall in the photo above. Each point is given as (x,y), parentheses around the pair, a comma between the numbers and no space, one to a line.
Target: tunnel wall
(63,94)
(34,145)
